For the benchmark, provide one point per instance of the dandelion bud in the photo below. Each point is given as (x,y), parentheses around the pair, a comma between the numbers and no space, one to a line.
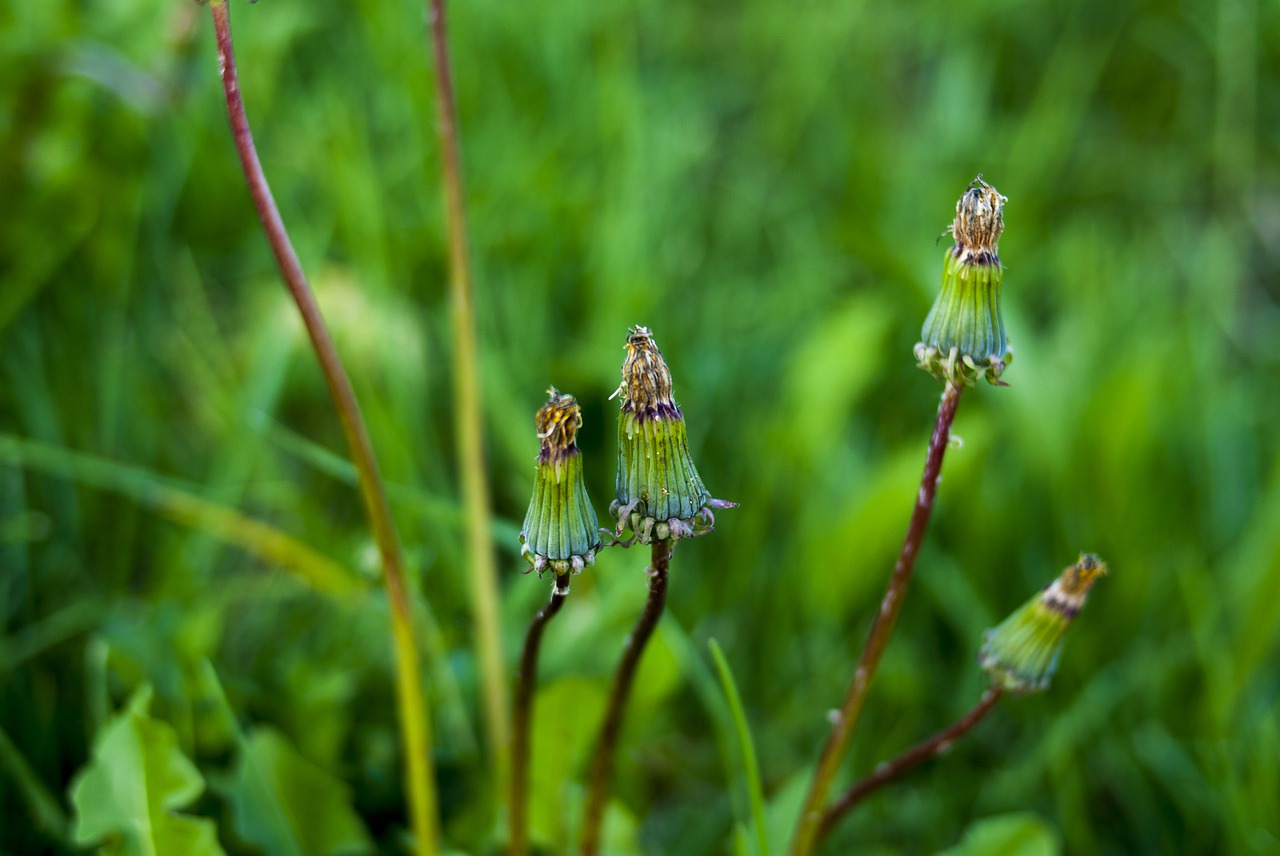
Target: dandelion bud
(561,532)
(1022,653)
(963,336)
(659,492)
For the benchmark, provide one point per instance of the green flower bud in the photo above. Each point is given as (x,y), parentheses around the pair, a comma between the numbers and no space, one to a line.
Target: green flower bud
(963,336)
(561,531)
(659,492)
(1021,654)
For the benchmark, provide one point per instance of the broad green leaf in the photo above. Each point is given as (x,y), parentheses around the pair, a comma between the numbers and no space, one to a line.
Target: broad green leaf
(620,830)
(127,798)
(566,714)
(1015,834)
(288,806)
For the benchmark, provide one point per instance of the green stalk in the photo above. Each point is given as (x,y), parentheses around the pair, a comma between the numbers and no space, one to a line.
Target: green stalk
(415,726)
(881,630)
(43,810)
(469,425)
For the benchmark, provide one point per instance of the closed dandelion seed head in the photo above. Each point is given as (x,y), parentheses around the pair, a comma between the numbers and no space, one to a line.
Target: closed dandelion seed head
(646,380)
(561,532)
(1021,654)
(660,495)
(963,339)
(557,423)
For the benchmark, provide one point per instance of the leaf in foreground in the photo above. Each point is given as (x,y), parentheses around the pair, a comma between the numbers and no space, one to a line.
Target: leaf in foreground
(127,798)
(1014,834)
(289,806)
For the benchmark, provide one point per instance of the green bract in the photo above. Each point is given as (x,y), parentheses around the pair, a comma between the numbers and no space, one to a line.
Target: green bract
(561,531)
(963,338)
(659,492)
(1021,654)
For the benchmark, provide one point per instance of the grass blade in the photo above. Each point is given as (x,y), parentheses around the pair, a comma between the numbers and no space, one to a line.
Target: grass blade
(750,766)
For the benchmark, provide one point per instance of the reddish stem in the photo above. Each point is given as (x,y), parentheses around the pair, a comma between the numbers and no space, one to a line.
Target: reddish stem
(881,630)
(913,757)
(526,680)
(415,727)
(607,742)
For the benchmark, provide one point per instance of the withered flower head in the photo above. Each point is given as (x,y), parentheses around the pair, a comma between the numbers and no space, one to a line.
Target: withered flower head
(558,422)
(979,223)
(646,380)
(1021,654)
(659,492)
(963,336)
(561,531)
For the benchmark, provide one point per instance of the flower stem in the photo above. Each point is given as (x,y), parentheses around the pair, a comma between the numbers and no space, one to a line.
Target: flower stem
(415,726)
(469,425)
(526,680)
(913,757)
(607,741)
(881,630)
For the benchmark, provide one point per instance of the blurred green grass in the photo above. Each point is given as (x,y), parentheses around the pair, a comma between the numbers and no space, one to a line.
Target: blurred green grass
(761,184)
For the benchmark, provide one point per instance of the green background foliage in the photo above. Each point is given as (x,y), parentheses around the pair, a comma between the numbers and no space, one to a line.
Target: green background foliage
(762,184)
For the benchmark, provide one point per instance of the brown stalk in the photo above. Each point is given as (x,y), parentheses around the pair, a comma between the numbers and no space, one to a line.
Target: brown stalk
(526,680)
(415,726)
(908,760)
(599,783)
(881,631)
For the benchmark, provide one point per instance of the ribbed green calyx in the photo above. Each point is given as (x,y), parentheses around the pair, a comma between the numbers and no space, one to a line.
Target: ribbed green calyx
(659,492)
(963,338)
(1021,654)
(561,531)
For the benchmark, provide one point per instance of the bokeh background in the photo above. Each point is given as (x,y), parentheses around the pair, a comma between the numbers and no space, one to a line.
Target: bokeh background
(761,183)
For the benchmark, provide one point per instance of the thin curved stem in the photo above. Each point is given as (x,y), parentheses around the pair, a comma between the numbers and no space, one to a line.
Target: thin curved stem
(469,424)
(908,760)
(415,726)
(526,681)
(881,631)
(607,741)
